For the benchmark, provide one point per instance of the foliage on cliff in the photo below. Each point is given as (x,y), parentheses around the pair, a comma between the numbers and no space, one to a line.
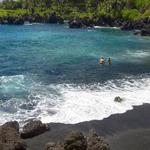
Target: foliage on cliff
(123,9)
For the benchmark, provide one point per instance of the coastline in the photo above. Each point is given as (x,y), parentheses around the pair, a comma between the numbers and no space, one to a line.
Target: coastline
(115,129)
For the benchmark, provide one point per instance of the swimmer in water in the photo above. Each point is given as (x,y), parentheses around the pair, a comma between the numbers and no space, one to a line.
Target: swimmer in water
(102,61)
(109,61)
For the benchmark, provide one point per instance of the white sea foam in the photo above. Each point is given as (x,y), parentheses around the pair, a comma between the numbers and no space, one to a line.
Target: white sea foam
(71,103)
(103,27)
(138,53)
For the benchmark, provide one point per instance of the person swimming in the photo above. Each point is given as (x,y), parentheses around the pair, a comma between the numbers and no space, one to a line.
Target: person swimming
(109,61)
(102,61)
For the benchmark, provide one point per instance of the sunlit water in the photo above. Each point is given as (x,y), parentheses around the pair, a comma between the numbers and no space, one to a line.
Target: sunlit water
(51,72)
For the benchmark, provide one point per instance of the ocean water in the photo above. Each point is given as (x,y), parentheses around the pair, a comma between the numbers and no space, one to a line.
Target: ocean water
(51,72)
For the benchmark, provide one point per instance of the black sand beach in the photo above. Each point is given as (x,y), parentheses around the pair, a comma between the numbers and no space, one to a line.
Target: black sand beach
(128,131)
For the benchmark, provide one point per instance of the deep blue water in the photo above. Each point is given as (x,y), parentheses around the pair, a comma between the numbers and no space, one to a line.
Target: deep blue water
(38,61)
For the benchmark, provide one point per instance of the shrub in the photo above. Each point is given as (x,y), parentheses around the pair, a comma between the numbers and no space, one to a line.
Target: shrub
(131,14)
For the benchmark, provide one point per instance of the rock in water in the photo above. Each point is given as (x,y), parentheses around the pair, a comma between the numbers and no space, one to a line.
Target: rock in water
(118,99)
(10,138)
(75,141)
(127,26)
(75,24)
(34,128)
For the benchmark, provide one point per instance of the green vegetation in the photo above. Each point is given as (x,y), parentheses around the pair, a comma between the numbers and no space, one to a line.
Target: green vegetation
(126,9)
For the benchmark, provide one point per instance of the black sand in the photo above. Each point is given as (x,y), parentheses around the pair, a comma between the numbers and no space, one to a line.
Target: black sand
(128,131)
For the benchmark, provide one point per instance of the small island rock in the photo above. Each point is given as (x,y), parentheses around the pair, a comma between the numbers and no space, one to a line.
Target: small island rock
(118,99)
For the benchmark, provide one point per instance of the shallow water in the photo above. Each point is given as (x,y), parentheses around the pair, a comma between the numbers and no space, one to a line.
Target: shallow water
(52,73)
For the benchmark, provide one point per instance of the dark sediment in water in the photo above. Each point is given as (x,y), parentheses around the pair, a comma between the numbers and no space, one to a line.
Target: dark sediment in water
(121,130)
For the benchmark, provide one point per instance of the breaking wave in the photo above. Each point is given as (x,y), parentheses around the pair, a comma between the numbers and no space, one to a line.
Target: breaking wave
(22,97)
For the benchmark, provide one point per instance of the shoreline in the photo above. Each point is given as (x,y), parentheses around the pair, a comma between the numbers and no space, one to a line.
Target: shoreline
(133,121)
(125,25)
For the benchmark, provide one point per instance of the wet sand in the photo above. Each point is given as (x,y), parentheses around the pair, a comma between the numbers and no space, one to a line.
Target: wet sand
(128,131)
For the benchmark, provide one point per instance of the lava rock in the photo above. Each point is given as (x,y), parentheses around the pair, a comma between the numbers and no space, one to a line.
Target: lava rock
(127,25)
(10,138)
(118,99)
(54,146)
(12,20)
(12,124)
(76,24)
(95,142)
(143,32)
(75,141)
(18,21)
(53,18)
(36,18)
(4,22)
(34,128)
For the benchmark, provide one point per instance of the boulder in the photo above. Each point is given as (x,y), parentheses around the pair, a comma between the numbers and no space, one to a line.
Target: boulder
(33,128)
(54,146)
(118,99)
(143,32)
(127,25)
(75,141)
(95,142)
(12,124)
(10,138)
(75,24)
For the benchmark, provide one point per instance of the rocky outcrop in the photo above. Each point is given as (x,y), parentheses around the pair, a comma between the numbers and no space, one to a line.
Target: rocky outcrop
(76,141)
(10,138)
(143,32)
(127,25)
(18,21)
(54,146)
(34,128)
(75,24)
(12,124)
(136,25)
(95,142)
(81,23)
(104,21)
(53,18)
(12,20)
(34,18)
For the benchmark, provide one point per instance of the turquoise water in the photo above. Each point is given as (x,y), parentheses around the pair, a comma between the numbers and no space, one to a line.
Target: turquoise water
(52,73)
